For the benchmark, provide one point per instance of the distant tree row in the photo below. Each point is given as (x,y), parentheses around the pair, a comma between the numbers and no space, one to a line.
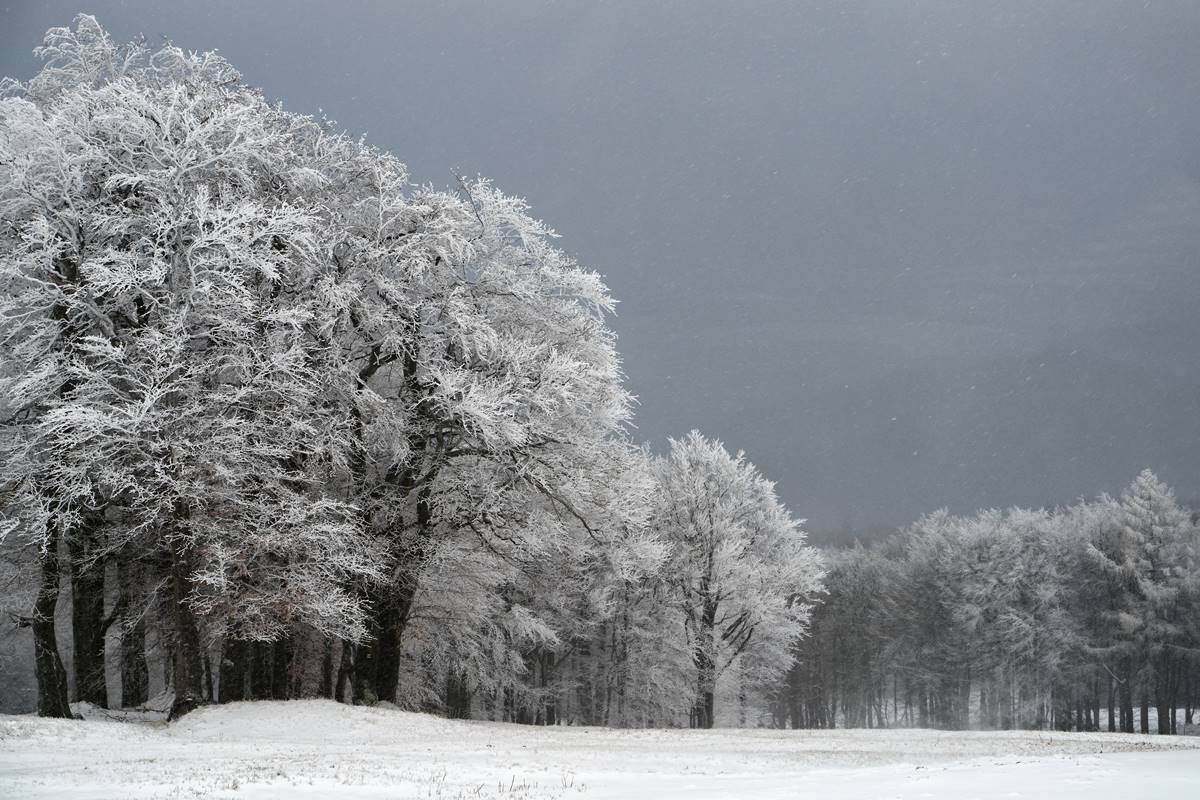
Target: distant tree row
(283,424)
(1085,617)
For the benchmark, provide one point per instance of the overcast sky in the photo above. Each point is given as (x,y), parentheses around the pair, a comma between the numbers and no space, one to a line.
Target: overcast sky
(905,255)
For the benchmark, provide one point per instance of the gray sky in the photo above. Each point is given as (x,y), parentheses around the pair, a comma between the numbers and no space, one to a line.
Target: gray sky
(906,255)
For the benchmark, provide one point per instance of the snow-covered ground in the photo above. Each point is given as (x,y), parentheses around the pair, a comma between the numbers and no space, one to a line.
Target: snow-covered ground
(320,749)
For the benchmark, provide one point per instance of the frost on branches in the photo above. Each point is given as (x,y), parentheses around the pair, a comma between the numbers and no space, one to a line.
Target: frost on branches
(739,565)
(285,425)
(162,273)
(322,428)
(1070,618)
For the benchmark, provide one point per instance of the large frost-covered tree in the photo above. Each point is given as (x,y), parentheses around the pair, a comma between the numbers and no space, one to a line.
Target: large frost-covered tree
(162,275)
(484,387)
(242,352)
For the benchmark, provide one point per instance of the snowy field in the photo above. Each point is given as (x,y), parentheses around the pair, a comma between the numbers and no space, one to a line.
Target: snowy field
(319,749)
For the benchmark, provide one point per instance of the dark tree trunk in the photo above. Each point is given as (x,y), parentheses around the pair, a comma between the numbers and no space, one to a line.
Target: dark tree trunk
(87,615)
(327,668)
(345,677)
(547,670)
(234,666)
(383,656)
(261,663)
(394,608)
(206,664)
(1112,706)
(364,663)
(281,662)
(51,676)
(1125,691)
(48,666)
(964,702)
(377,660)
(458,696)
(705,707)
(1008,720)
(186,670)
(1172,700)
(389,662)
(1162,692)
(1189,700)
(489,703)
(135,675)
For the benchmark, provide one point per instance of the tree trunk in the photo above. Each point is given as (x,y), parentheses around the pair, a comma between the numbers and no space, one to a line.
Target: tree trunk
(390,624)
(394,610)
(1125,690)
(377,660)
(1189,702)
(281,662)
(327,689)
(964,701)
(186,670)
(547,670)
(261,663)
(346,681)
(1172,700)
(206,667)
(87,615)
(705,659)
(48,666)
(51,676)
(1162,692)
(458,696)
(983,705)
(135,674)
(235,662)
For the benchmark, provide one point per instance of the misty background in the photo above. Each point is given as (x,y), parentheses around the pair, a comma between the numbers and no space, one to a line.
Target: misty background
(905,255)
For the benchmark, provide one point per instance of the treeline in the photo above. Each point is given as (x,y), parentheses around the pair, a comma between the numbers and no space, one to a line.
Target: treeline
(1082,618)
(276,423)
(282,425)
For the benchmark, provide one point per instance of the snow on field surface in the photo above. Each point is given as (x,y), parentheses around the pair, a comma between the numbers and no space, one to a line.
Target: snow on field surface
(320,749)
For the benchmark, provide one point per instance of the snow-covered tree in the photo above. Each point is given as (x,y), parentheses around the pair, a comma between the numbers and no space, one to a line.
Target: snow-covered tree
(1090,597)
(1013,609)
(629,663)
(161,275)
(245,350)
(1153,560)
(743,575)
(1021,618)
(483,384)
(841,666)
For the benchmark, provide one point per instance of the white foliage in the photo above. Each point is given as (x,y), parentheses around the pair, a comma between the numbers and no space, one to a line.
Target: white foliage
(743,574)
